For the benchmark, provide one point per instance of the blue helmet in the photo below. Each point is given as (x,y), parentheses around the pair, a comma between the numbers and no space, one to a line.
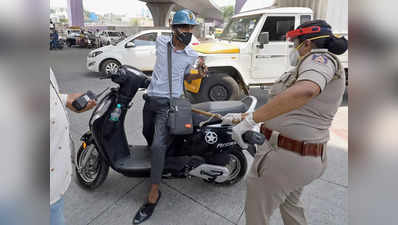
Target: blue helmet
(184,16)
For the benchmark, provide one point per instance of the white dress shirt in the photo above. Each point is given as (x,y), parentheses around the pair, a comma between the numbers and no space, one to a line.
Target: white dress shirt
(60,143)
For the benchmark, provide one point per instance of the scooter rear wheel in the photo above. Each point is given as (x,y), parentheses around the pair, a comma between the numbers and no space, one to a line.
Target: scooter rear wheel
(95,171)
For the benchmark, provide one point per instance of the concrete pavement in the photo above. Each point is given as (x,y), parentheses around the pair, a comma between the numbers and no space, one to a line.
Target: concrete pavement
(186,202)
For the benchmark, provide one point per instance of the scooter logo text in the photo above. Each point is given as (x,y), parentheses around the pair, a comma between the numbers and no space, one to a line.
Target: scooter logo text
(223,145)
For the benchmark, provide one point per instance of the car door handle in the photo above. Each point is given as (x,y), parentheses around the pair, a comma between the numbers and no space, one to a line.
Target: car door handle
(263,56)
(269,56)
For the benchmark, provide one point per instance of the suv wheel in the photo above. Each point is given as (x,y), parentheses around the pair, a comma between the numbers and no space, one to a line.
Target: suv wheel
(218,87)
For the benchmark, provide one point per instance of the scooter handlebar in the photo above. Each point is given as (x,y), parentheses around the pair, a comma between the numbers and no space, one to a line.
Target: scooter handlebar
(253,137)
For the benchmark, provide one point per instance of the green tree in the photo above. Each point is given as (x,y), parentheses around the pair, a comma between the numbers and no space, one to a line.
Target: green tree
(63,20)
(86,15)
(134,22)
(228,12)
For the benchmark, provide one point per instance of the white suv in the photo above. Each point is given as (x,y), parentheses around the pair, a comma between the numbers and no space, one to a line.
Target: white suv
(137,50)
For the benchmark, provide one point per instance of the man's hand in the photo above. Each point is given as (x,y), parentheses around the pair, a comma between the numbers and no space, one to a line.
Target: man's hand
(71,97)
(202,71)
(202,68)
(241,128)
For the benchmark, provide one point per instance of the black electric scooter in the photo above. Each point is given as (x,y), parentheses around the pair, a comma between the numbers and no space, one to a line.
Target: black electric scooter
(209,153)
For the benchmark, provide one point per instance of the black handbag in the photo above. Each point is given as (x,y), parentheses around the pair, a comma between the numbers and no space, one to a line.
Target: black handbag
(180,112)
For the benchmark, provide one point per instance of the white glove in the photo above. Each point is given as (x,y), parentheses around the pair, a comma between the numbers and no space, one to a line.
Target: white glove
(237,131)
(230,117)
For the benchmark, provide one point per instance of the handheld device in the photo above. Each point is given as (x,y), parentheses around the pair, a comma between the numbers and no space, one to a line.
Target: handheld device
(82,101)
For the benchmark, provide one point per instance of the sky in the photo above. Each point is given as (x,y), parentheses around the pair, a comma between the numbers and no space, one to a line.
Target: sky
(130,7)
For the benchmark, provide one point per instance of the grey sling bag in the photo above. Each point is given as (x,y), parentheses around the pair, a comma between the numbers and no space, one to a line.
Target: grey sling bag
(180,112)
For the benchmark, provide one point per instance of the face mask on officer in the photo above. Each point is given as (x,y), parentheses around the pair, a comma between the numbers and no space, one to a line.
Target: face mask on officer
(294,55)
(183,37)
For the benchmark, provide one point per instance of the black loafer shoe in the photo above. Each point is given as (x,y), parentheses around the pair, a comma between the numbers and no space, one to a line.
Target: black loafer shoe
(145,212)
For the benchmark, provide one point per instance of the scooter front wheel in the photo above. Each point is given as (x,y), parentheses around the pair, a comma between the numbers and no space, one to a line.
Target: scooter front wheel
(94,172)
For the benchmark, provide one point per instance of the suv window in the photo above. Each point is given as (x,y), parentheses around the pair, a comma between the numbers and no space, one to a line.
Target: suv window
(145,39)
(305,18)
(278,26)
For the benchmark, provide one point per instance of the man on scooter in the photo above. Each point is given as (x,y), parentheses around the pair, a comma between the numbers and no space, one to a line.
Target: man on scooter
(155,112)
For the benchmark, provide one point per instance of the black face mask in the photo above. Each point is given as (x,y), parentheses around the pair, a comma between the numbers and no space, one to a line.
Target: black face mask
(184,37)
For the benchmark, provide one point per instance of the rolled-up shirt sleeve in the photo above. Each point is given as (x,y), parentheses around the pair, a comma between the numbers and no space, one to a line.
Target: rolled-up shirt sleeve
(320,73)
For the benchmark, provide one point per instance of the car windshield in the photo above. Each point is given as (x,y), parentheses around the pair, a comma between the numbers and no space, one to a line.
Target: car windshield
(240,29)
(114,34)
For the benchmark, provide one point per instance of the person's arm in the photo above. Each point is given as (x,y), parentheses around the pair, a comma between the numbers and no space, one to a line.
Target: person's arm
(313,78)
(290,99)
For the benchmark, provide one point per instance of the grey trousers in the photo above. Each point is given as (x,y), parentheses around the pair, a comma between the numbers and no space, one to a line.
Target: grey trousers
(156,133)
(276,180)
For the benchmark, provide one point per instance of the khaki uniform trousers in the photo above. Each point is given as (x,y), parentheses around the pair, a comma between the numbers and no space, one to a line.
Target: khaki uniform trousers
(276,180)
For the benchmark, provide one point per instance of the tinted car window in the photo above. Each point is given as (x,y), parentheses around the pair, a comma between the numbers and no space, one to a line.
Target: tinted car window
(278,26)
(305,18)
(145,40)
(114,34)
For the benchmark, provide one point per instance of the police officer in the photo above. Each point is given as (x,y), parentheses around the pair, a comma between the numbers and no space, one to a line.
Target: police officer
(296,123)
(155,112)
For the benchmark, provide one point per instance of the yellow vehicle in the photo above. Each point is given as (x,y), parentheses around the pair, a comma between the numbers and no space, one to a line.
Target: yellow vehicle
(218,31)
(251,51)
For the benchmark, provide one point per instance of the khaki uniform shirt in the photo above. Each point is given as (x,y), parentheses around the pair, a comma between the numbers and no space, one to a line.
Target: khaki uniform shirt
(311,122)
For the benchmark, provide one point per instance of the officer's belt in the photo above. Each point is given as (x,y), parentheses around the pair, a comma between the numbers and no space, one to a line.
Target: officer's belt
(300,147)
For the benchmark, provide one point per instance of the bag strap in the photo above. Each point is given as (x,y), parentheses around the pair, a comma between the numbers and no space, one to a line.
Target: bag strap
(169,68)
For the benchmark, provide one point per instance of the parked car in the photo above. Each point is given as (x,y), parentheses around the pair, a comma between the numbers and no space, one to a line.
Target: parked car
(108,37)
(91,39)
(72,34)
(137,50)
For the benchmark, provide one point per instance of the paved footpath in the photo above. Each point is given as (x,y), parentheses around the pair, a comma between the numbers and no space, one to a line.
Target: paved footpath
(187,202)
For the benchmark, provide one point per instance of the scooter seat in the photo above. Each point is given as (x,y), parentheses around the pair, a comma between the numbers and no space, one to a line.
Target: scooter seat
(219,107)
